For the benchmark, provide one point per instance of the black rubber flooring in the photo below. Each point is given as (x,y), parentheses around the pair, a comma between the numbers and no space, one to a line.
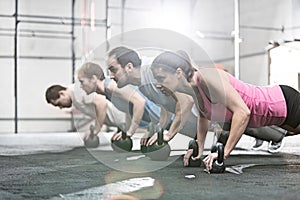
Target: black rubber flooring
(55,175)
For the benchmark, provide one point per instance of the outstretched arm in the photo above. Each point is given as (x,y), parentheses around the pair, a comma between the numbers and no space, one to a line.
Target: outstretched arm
(101,108)
(184,104)
(100,104)
(138,101)
(202,129)
(221,91)
(240,112)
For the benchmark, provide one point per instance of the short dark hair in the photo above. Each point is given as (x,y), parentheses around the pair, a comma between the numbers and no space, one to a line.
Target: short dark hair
(52,93)
(125,55)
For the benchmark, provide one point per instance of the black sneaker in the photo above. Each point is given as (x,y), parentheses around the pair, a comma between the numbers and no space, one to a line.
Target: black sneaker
(258,145)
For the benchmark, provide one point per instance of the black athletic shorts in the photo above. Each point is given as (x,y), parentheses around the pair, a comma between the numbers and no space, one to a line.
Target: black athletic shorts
(292,98)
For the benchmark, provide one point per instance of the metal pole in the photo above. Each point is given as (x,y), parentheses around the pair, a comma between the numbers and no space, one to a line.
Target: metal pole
(107,26)
(77,23)
(55,20)
(37,31)
(38,57)
(34,35)
(73,56)
(236,39)
(73,41)
(123,17)
(16,66)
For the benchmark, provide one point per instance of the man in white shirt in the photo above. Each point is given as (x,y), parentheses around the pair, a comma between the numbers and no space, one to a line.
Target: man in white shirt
(94,105)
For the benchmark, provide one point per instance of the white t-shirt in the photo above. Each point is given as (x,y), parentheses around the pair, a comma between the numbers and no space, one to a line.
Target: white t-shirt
(85,104)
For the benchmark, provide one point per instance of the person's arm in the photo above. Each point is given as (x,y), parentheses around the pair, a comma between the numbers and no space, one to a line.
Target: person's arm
(222,91)
(99,101)
(184,106)
(165,117)
(138,102)
(240,113)
(240,119)
(100,108)
(202,129)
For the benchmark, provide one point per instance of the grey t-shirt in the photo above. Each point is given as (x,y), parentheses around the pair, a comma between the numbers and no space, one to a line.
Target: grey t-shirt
(149,89)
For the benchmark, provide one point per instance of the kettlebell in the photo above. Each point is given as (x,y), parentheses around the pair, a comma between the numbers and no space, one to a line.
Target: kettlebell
(93,140)
(144,148)
(223,137)
(122,145)
(194,163)
(218,165)
(160,150)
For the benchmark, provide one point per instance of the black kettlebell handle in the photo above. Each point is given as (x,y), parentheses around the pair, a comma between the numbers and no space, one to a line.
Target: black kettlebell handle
(152,128)
(194,145)
(160,137)
(218,164)
(124,135)
(92,129)
(219,147)
(194,163)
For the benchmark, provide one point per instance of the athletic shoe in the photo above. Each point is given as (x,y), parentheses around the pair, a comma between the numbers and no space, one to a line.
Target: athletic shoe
(275,147)
(258,145)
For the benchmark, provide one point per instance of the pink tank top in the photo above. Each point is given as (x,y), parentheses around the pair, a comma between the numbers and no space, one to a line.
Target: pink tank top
(267,104)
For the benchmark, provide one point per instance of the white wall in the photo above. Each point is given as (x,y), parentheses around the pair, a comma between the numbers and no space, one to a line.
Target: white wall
(215,18)
(34,74)
(285,64)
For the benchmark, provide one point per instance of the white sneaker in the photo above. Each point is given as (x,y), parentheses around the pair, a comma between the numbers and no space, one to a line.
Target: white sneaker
(275,147)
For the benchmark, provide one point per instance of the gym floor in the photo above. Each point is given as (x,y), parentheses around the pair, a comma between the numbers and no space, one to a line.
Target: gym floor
(58,166)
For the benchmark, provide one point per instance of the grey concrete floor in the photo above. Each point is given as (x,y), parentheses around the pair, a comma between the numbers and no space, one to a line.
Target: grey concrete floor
(57,166)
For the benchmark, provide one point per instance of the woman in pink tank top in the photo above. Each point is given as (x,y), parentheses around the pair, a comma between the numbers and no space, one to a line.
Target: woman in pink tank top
(221,97)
